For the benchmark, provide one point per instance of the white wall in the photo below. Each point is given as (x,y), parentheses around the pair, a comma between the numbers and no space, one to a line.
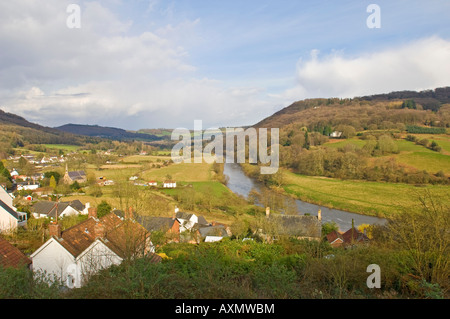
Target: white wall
(6,198)
(96,257)
(7,221)
(53,259)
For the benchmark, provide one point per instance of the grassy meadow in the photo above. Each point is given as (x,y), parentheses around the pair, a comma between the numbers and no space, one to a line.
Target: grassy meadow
(411,155)
(370,198)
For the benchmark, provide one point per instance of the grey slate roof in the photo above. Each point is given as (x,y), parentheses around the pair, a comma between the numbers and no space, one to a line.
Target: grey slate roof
(77,175)
(218,230)
(152,223)
(9,209)
(76,204)
(49,208)
(202,220)
(183,215)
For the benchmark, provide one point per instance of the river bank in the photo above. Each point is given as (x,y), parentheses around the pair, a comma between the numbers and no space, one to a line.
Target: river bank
(242,184)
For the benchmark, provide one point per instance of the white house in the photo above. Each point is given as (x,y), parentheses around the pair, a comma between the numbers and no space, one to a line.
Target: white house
(152,183)
(73,255)
(55,209)
(6,197)
(188,220)
(14,173)
(336,134)
(27,187)
(10,218)
(170,184)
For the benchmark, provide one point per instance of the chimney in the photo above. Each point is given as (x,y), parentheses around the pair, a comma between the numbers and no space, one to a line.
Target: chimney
(175,211)
(267,212)
(92,212)
(54,229)
(319,215)
(99,230)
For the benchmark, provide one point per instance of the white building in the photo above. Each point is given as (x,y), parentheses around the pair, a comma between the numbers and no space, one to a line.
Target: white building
(73,255)
(10,218)
(170,184)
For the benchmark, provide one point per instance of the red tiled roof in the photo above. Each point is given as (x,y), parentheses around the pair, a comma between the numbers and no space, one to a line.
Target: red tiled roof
(122,237)
(354,236)
(331,237)
(11,256)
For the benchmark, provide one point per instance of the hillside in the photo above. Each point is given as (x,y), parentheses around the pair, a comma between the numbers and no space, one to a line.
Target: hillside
(16,131)
(431,108)
(106,132)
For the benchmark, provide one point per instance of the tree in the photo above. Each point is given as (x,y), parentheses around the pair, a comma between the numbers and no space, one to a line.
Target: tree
(52,183)
(387,145)
(328,227)
(307,142)
(103,209)
(423,235)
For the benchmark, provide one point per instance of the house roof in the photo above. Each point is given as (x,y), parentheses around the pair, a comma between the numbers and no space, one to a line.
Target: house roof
(218,230)
(296,225)
(152,223)
(119,236)
(333,236)
(76,204)
(202,220)
(11,256)
(183,215)
(50,208)
(9,209)
(355,236)
(74,175)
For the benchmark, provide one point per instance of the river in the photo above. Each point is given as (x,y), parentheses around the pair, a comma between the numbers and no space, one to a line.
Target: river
(241,184)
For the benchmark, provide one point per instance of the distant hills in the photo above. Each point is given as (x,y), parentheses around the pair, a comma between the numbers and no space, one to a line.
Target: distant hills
(106,132)
(16,131)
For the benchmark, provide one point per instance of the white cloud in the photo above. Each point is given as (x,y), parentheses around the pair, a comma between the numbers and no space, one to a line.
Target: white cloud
(105,74)
(418,65)
(100,74)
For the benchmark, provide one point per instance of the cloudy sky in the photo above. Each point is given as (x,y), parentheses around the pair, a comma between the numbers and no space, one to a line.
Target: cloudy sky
(153,63)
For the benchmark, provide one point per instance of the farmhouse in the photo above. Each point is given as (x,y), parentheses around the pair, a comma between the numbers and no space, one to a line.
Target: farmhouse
(73,255)
(336,134)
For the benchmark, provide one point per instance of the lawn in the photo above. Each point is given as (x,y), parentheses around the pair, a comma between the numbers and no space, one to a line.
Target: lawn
(370,198)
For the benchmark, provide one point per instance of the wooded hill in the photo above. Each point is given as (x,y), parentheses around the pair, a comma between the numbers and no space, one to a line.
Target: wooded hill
(106,132)
(378,111)
(15,131)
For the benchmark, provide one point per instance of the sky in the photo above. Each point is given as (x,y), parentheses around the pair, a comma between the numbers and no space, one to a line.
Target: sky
(163,64)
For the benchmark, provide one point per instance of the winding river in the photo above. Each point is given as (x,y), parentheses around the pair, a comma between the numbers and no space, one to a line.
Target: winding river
(241,184)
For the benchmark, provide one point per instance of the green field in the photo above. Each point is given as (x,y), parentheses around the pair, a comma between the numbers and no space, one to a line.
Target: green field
(69,148)
(341,143)
(370,198)
(412,155)
(183,172)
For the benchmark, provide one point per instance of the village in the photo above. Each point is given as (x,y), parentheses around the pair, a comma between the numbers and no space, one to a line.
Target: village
(98,240)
